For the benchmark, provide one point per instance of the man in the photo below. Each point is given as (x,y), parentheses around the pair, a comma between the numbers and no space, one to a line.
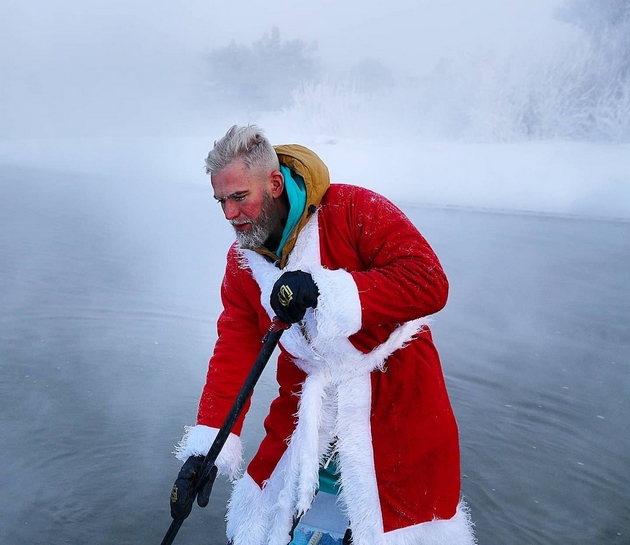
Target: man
(359,377)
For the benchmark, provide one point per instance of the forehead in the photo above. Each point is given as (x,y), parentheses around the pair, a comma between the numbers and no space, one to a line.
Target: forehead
(235,177)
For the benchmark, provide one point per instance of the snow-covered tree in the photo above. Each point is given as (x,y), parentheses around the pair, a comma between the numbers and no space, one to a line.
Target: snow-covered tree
(606,24)
(596,17)
(260,76)
(371,75)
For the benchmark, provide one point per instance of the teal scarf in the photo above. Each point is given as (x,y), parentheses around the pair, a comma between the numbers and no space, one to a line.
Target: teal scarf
(296,191)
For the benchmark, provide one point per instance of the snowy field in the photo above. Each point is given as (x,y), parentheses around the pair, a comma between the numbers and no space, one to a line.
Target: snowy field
(550,177)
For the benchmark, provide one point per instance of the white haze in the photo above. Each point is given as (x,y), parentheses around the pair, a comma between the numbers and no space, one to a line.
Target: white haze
(73,68)
(121,88)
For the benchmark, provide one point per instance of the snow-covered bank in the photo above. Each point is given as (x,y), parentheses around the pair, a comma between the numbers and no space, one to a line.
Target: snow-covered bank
(551,177)
(556,177)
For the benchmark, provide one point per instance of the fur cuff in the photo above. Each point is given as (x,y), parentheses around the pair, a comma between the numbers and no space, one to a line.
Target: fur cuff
(197,440)
(455,531)
(338,310)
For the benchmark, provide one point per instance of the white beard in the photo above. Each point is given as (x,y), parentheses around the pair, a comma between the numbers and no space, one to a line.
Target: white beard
(261,228)
(254,238)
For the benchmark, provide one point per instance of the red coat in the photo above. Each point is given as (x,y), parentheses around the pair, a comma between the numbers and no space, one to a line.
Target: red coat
(362,371)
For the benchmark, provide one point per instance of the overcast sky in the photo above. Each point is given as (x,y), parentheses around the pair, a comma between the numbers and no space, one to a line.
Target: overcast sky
(64,60)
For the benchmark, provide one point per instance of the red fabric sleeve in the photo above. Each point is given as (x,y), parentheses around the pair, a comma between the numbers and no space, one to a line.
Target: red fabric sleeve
(240,330)
(398,275)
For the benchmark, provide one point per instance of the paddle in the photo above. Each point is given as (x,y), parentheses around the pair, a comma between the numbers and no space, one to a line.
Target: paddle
(208,469)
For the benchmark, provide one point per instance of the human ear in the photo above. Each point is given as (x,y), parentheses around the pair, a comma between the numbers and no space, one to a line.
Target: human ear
(277,183)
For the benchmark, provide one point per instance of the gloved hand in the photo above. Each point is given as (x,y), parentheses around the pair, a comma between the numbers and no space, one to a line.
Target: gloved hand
(292,294)
(183,492)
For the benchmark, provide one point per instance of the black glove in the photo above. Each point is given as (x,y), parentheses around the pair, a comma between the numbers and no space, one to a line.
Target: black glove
(292,294)
(183,493)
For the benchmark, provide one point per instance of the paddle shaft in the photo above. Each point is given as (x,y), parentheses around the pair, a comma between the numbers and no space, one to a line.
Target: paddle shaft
(270,341)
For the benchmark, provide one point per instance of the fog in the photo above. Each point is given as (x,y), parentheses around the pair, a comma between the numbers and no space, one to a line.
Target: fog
(103,68)
(498,100)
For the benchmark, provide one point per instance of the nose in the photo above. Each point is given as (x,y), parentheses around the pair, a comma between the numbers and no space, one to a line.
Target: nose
(231,210)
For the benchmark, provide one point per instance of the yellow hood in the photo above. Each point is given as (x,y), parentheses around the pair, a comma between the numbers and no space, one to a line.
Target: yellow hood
(307,164)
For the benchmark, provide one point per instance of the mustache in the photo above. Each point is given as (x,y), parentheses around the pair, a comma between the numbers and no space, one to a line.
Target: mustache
(242,222)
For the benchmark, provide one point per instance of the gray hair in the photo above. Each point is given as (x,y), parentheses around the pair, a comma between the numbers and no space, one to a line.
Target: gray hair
(246,143)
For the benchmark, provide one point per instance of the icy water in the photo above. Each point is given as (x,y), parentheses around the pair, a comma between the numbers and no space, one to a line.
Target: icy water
(109,293)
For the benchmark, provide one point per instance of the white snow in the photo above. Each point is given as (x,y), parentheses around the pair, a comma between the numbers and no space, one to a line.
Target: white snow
(551,177)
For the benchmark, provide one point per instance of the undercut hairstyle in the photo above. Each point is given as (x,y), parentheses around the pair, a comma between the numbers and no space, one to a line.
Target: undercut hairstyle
(247,144)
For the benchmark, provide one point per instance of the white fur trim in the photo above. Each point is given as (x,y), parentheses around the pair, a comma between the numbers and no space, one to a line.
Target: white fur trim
(197,441)
(356,462)
(265,517)
(338,312)
(258,516)
(457,530)
(252,514)
(306,253)
(359,489)
(248,512)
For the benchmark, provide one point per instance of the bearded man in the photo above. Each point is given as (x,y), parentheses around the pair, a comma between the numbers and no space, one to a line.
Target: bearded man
(362,402)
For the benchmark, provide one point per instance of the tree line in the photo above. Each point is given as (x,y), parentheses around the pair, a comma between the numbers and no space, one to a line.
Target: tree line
(581,90)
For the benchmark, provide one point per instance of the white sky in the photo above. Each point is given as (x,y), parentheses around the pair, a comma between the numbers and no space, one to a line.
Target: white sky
(413,32)
(61,60)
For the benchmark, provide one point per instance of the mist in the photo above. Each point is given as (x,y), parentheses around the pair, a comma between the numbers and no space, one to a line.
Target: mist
(109,69)
(458,84)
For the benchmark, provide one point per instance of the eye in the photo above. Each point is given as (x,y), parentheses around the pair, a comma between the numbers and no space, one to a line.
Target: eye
(237,197)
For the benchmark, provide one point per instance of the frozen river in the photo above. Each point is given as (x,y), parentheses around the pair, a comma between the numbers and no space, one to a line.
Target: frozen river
(109,293)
